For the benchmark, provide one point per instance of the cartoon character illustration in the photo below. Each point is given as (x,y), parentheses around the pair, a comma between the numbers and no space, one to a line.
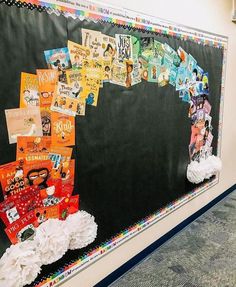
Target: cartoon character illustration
(26,233)
(51,199)
(38,177)
(46,124)
(129,70)
(30,99)
(12,214)
(90,99)
(109,51)
(154,72)
(41,216)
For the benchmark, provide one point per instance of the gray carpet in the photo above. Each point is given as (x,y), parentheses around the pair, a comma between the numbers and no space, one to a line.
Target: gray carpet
(201,255)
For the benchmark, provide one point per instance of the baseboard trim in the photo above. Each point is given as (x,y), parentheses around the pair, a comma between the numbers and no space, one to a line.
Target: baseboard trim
(144,253)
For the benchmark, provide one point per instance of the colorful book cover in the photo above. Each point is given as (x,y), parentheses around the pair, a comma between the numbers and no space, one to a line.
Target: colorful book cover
(46,120)
(23,122)
(93,41)
(192,64)
(124,47)
(22,229)
(159,52)
(75,80)
(118,74)
(47,80)
(91,90)
(135,47)
(63,130)
(27,200)
(12,177)
(207,107)
(183,56)
(44,213)
(8,211)
(64,100)
(37,173)
(153,72)
(173,75)
(69,206)
(33,148)
(205,80)
(94,69)
(180,79)
(78,54)
(69,179)
(107,66)
(136,76)
(147,47)
(108,47)
(59,60)
(173,55)
(60,156)
(143,68)
(29,90)
(163,78)
(81,107)
(198,73)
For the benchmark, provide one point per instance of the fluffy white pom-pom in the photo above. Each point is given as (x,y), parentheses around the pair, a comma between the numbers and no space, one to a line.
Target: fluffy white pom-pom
(20,264)
(82,229)
(52,240)
(198,171)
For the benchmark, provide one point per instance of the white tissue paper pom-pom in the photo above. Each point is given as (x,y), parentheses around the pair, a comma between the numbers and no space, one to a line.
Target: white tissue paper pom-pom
(82,229)
(206,168)
(20,264)
(52,240)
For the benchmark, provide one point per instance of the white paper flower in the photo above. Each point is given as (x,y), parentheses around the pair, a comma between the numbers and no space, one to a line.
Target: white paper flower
(82,229)
(52,240)
(206,168)
(19,265)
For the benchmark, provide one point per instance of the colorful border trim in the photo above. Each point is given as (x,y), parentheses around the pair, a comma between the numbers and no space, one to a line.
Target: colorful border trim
(94,12)
(72,269)
(102,12)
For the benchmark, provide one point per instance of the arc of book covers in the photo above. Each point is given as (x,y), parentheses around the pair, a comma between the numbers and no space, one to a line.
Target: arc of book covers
(40,183)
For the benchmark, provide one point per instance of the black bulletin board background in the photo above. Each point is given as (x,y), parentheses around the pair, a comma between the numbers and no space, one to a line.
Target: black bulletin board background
(132,150)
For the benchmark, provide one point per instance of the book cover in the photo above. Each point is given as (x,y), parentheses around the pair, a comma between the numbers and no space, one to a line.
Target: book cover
(108,47)
(60,156)
(124,47)
(22,229)
(118,73)
(45,113)
(75,80)
(29,90)
(59,60)
(44,213)
(93,41)
(27,200)
(47,80)
(23,122)
(38,173)
(78,53)
(12,177)
(70,176)
(8,211)
(147,47)
(64,101)
(33,148)
(63,130)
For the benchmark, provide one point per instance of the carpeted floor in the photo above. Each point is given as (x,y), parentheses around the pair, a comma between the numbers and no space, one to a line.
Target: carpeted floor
(201,255)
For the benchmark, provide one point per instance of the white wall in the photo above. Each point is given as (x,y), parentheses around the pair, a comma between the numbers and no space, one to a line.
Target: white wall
(213,16)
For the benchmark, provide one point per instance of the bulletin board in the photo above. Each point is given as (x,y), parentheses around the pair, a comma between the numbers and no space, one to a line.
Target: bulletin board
(132,149)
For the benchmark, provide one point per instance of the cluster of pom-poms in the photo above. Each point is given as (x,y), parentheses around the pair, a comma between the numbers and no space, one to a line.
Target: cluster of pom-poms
(21,263)
(204,169)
